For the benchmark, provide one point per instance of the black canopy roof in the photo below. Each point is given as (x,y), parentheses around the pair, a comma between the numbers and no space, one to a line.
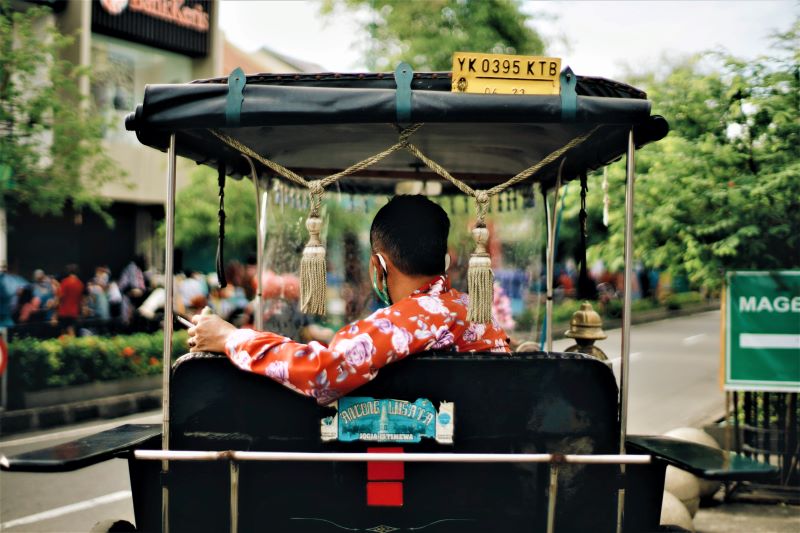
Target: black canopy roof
(319,124)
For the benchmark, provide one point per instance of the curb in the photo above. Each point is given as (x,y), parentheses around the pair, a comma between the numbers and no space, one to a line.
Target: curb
(69,413)
(643,317)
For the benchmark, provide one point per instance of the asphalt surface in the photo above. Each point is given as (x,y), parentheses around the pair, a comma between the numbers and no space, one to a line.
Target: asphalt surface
(673,383)
(673,374)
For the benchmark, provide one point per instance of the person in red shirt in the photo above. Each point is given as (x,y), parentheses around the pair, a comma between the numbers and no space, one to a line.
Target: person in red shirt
(70,296)
(407,266)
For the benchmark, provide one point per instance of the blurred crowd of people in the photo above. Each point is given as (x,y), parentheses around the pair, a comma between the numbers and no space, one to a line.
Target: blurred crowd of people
(48,305)
(57,304)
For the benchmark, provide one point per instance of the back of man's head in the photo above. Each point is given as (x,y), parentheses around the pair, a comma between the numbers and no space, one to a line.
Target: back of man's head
(412,231)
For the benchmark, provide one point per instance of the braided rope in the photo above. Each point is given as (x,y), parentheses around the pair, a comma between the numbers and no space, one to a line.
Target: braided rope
(482,197)
(530,171)
(317,187)
(368,162)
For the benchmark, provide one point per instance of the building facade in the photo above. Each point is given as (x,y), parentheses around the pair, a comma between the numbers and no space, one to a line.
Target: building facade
(128,44)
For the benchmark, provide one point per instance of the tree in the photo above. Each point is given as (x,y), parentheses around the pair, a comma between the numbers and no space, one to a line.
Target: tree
(720,192)
(426,33)
(196,221)
(51,151)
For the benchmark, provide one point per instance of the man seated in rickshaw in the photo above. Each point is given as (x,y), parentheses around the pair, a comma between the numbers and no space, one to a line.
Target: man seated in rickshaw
(408,264)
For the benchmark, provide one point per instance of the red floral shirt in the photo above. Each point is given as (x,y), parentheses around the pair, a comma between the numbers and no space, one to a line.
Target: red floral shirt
(432,318)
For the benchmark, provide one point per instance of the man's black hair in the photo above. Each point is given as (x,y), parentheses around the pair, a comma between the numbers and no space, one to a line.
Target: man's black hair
(412,231)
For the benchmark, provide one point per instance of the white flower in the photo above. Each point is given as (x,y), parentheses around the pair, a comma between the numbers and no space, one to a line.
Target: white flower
(278,370)
(241,359)
(358,350)
(237,338)
(474,332)
(437,287)
(443,338)
(432,305)
(401,338)
(384,325)
(463,299)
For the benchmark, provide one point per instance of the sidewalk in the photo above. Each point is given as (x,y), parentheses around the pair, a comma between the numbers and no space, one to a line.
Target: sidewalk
(37,418)
(738,517)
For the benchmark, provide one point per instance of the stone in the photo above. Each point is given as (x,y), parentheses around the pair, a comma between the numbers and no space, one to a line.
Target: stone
(684,486)
(707,487)
(674,513)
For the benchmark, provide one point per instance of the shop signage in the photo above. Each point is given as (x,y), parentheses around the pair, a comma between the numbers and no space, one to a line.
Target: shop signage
(387,420)
(762,331)
(177,25)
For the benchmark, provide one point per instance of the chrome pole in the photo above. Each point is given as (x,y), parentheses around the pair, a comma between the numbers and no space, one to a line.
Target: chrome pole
(551,498)
(169,289)
(552,216)
(261,207)
(233,455)
(626,319)
(234,469)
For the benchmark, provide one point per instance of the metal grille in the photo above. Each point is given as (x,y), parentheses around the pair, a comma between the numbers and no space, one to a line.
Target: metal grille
(766,428)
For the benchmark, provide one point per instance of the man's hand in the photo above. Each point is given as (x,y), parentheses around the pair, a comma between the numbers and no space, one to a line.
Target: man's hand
(209,334)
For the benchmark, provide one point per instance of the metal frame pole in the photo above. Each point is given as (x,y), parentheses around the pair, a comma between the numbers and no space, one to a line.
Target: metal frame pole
(353,457)
(169,289)
(626,318)
(552,216)
(261,209)
(552,494)
(234,471)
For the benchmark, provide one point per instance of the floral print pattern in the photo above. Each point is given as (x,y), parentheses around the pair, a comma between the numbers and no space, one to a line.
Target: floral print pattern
(432,318)
(279,371)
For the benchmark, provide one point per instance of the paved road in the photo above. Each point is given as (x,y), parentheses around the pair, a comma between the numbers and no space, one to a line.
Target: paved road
(673,373)
(673,383)
(72,501)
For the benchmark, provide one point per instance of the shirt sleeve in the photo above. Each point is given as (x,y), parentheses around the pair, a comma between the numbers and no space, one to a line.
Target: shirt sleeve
(354,356)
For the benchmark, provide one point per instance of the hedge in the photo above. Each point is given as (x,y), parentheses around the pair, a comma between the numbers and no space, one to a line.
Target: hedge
(36,364)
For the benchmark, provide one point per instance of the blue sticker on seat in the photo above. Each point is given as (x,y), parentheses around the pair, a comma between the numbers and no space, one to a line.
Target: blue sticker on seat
(388,420)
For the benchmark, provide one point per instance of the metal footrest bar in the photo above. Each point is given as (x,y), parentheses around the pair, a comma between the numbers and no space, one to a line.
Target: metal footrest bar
(187,455)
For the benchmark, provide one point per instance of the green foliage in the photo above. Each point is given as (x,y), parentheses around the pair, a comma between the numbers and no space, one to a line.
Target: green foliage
(562,311)
(37,364)
(51,149)
(196,221)
(682,299)
(426,33)
(719,193)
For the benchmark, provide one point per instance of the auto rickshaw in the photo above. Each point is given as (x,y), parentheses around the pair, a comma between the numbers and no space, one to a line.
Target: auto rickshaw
(533,442)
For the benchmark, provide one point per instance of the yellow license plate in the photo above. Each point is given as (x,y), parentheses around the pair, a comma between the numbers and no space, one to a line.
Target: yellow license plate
(505,74)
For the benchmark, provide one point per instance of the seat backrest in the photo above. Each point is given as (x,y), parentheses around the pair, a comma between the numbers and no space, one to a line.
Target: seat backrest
(528,403)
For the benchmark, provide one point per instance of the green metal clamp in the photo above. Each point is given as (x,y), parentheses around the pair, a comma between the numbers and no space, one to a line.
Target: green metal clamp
(403,75)
(569,96)
(233,103)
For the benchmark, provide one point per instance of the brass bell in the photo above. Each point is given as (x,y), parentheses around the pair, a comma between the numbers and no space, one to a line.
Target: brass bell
(586,327)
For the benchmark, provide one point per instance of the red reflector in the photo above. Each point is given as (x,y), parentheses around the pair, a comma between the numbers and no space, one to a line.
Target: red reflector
(384,494)
(393,471)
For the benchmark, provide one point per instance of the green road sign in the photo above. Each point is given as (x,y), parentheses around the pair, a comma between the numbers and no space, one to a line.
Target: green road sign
(762,333)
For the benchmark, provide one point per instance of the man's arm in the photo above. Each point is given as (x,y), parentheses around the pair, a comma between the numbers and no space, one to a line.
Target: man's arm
(353,358)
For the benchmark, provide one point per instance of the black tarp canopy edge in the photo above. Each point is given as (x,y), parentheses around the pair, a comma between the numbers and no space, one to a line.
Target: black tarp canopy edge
(324,127)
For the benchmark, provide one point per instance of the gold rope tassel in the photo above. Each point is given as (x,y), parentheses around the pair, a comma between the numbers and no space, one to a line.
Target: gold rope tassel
(313,287)
(480,279)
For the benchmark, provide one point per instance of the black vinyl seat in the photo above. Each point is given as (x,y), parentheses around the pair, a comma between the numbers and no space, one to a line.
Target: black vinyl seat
(528,403)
